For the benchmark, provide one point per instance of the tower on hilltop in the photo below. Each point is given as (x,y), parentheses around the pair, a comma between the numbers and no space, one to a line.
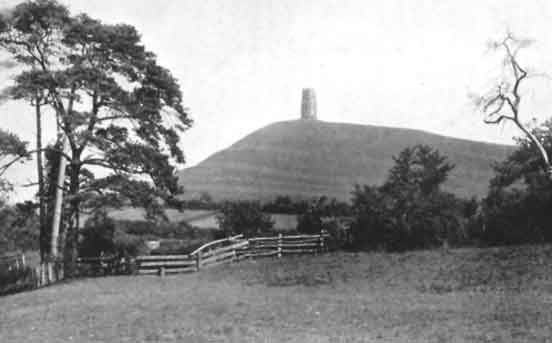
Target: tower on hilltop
(308,104)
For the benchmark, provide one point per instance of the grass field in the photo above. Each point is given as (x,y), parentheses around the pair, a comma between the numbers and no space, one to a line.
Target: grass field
(464,295)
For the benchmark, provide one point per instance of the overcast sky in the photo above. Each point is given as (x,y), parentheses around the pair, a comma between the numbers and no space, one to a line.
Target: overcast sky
(242,63)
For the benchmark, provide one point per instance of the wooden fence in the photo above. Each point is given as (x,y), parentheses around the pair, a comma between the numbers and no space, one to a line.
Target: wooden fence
(18,276)
(13,260)
(46,273)
(208,255)
(100,265)
(230,250)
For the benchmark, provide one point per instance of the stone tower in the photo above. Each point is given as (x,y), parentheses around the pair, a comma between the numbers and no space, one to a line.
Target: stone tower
(308,104)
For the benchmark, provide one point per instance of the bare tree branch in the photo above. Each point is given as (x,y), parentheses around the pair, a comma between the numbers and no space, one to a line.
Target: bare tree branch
(497,120)
(509,99)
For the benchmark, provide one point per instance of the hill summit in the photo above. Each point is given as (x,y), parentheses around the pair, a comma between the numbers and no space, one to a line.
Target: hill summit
(310,158)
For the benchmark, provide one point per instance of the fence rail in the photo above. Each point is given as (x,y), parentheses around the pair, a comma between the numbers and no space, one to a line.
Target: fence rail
(230,250)
(14,260)
(105,265)
(214,253)
(17,275)
(161,264)
(46,273)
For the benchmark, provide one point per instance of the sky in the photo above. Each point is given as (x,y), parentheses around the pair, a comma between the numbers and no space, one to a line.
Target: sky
(242,64)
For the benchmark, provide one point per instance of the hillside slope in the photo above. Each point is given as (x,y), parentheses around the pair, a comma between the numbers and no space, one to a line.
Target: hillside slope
(307,159)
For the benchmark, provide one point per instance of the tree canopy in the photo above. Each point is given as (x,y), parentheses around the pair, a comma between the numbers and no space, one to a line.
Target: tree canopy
(244,217)
(409,210)
(517,208)
(12,149)
(503,101)
(119,110)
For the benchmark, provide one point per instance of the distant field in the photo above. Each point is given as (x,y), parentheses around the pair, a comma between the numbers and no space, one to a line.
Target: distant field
(203,219)
(198,218)
(465,295)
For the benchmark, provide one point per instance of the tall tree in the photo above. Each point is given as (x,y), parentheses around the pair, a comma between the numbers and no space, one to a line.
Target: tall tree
(503,101)
(28,33)
(118,109)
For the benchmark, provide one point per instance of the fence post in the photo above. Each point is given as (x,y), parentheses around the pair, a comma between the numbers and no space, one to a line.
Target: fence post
(279,245)
(37,276)
(60,269)
(23,260)
(51,273)
(198,260)
(42,274)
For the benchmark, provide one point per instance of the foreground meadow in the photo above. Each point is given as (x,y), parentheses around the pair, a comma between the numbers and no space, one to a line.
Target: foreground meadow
(464,295)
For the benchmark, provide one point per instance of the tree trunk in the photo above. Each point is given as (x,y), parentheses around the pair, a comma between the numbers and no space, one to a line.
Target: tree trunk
(540,147)
(56,222)
(72,234)
(44,234)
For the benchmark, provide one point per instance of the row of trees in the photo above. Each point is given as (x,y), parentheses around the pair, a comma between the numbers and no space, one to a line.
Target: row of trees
(411,211)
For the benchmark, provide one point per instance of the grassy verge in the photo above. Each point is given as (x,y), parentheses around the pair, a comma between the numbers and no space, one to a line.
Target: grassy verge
(465,295)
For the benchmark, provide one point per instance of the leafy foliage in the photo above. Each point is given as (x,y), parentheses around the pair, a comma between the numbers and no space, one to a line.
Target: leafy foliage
(517,208)
(15,280)
(244,217)
(12,149)
(322,214)
(97,236)
(18,227)
(118,108)
(409,210)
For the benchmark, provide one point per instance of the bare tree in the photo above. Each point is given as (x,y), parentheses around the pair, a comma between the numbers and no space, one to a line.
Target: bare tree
(502,102)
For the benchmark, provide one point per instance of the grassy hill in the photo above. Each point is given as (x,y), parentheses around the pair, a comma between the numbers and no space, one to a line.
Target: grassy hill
(463,295)
(312,158)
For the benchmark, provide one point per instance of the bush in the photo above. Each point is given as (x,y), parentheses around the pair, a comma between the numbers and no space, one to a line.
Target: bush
(101,235)
(15,280)
(244,217)
(129,245)
(19,228)
(409,211)
(516,217)
(97,236)
(310,222)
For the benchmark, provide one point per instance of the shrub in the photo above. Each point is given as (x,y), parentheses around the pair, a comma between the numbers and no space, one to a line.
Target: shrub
(101,235)
(15,280)
(19,229)
(97,236)
(129,245)
(244,217)
(310,222)
(409,211)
